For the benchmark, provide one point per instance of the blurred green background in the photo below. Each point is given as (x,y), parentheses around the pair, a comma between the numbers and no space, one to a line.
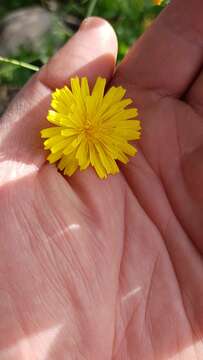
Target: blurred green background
(53,22)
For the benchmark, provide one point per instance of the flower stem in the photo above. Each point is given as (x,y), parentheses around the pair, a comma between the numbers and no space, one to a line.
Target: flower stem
(91,7)
(19,63)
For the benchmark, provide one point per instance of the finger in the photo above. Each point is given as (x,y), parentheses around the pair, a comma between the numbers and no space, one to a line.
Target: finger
(194,95)
(90,52)
(169,55)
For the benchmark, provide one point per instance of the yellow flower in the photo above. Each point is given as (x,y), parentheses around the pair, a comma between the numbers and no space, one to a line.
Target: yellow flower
(91,129)
(157,2)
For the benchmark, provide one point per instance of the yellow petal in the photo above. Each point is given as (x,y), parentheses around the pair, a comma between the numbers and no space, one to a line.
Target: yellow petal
(68,132)
(115,108)
(62,99)
(52,158)
(71,168)
(113,95)
(60,146)
(54,118)
(90,106)
(78,95)
(85,91)
(71,164)
(75,86)
(129,129)
(51,131)
(73,144)
(82,155)
(96,162)
(98,91)
(122,157)
(52,140)
(108,163)
(63,162)
(128,149)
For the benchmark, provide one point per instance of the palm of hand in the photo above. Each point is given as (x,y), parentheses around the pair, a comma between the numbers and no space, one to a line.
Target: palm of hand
(108,269)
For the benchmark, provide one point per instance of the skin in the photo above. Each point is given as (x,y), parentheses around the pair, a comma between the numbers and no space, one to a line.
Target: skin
(113,269)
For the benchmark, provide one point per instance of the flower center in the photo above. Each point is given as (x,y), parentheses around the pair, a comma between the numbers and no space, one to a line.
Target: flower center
(89,130)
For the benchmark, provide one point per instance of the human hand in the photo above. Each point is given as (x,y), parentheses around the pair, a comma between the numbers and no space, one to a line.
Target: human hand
(112,269)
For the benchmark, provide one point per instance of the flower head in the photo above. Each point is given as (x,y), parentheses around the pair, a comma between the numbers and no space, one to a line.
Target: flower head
(157,2)
(91,128)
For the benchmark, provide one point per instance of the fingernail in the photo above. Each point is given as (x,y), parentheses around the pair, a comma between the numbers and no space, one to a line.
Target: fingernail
(91,22)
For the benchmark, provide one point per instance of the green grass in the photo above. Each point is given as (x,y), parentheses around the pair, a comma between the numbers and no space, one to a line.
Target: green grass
(128,17)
